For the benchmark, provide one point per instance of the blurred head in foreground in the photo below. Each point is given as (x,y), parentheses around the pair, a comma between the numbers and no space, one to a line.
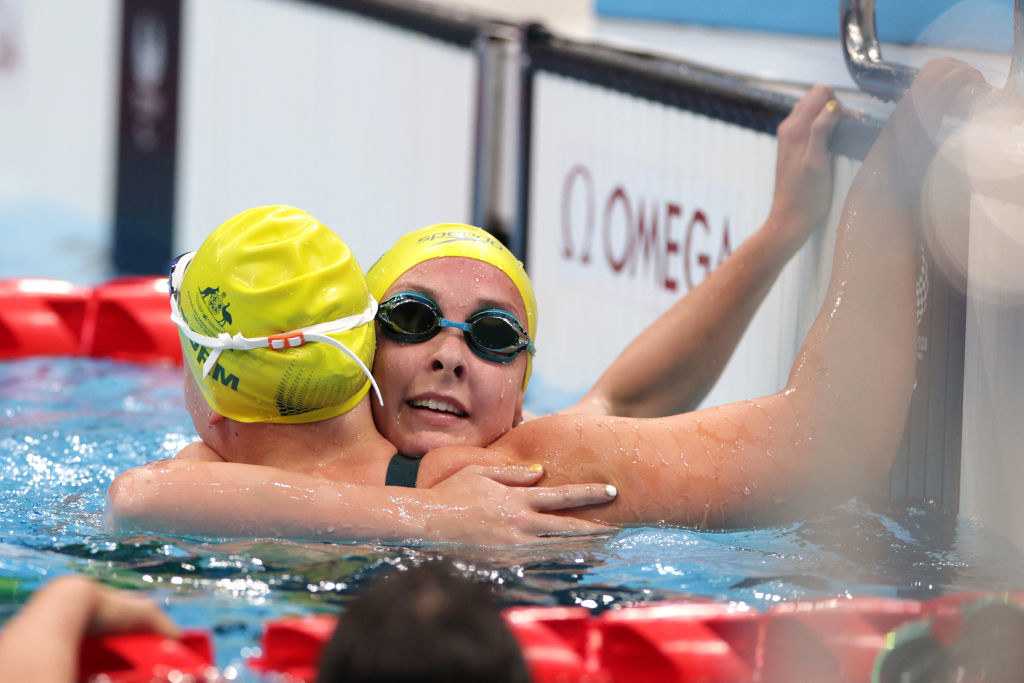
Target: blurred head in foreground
(424,624)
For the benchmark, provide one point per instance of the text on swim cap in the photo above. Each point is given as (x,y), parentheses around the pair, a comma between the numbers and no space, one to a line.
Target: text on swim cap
(459,235)
(225,378)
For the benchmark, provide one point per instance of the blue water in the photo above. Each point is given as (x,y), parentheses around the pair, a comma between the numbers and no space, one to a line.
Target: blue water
(67,426)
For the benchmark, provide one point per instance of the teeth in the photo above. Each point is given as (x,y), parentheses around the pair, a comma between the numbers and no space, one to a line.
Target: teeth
(442,406)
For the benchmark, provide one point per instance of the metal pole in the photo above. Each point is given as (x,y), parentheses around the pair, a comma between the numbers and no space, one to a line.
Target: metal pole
(1015,81)
(863,54)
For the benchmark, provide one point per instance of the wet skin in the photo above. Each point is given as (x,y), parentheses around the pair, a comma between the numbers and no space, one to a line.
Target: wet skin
(833,430)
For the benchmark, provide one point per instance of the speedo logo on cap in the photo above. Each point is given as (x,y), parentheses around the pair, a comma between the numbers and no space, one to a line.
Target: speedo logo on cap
(449,236)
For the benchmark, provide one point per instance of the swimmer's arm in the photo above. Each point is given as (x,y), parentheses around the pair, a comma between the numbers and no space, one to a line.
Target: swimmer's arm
(41,643)
(671,366)
(835,428)
(481,505)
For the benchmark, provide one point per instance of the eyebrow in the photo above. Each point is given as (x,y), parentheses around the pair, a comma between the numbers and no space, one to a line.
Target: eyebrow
(481,304)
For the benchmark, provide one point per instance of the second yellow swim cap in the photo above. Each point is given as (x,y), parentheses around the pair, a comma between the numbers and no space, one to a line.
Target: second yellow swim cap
(275,270)
(454,239)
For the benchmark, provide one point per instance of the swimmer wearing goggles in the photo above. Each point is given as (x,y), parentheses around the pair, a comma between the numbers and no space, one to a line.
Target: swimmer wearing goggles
(493,334)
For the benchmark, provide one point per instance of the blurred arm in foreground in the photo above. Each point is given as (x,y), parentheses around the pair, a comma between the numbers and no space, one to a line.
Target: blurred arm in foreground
(41,643)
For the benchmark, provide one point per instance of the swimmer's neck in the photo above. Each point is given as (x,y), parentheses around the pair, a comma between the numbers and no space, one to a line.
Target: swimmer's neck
(349,440)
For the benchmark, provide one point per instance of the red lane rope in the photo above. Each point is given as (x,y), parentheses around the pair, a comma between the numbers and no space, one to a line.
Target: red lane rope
(125,319)
(822,640)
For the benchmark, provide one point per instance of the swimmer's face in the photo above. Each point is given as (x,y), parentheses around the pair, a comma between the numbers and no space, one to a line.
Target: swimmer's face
(439,392)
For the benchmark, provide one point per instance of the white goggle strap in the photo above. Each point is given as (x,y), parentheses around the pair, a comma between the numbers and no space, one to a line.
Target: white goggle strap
(278,342)
(348,352)
(178,270)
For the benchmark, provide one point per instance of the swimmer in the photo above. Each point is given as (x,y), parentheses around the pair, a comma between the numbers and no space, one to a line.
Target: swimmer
(266,404)
(825,437)
(797,166)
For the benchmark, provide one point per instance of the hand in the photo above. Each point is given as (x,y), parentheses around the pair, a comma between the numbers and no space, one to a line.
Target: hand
(943,86)
(123,612)
(105,610)
(502,508)
(803,168)
(41,642)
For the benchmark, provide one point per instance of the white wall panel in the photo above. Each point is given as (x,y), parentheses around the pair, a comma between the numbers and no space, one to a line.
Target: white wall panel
(599,159)
(368,127)
(58,109)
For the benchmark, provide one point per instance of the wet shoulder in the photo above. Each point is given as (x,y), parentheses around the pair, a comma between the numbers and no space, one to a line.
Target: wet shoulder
(198,451)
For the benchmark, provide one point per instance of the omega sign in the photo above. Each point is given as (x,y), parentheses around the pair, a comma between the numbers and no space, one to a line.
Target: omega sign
(635,235)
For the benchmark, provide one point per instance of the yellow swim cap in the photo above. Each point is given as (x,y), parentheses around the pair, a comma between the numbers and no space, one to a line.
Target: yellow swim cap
(454,239)
(275,270)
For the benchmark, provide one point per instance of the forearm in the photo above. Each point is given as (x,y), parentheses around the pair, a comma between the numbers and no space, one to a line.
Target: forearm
(233,500)
(850,387)
(41,643)
(831,432)
(671,366)
(854,374)
(480,504)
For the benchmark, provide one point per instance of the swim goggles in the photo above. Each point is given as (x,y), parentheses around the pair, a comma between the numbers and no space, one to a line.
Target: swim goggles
(493,334)
(276,342)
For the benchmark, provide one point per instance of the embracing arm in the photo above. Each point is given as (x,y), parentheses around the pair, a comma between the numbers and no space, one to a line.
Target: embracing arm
(671,366)
(487,505)
(837,425)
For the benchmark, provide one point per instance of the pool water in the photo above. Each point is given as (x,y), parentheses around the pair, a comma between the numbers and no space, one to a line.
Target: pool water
(68,426)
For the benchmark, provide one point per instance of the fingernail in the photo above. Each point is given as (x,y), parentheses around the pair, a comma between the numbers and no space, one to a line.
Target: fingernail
(831,106)
(536,467)
(611,491)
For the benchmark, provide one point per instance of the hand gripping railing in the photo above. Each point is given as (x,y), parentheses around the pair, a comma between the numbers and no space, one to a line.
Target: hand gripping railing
(888,80)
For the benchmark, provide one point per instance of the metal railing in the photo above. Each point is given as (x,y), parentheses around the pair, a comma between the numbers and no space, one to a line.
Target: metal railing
(888,80)
(863,53)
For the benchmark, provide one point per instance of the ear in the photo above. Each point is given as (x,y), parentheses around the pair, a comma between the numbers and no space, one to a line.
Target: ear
(216,418)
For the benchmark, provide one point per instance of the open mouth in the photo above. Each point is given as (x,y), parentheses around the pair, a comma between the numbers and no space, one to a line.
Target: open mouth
(438,406)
